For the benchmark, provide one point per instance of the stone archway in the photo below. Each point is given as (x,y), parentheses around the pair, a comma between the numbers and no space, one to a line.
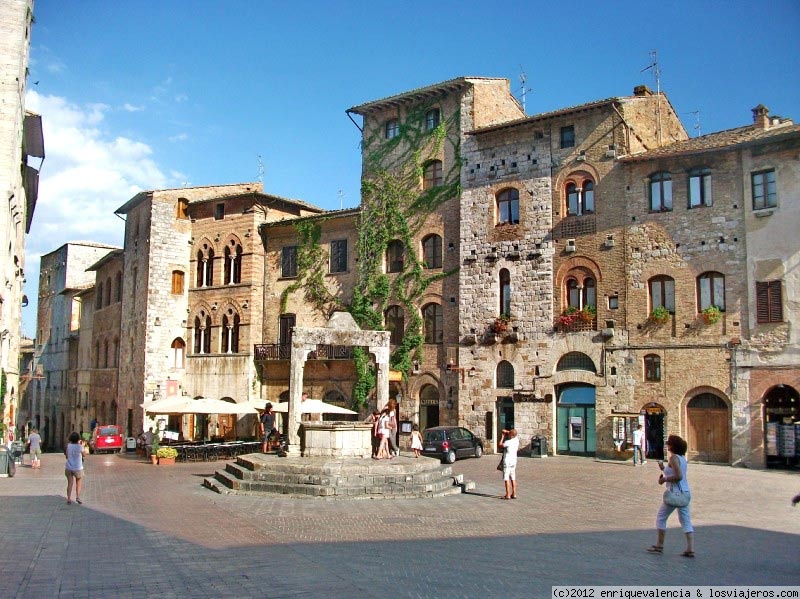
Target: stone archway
(341,330)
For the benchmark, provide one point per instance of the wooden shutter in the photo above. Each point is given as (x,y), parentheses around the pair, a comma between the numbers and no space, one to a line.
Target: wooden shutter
(769,302)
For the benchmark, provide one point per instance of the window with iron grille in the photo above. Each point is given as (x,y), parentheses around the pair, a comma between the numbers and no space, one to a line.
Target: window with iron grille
(339,255)
(576,361)
(769,302)
(289,261)
(505,375)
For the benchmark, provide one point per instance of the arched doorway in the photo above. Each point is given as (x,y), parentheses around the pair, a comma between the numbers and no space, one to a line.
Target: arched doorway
(708,428)
(227,423)
(781,407)
(575,419)
(428,407)
(655,425)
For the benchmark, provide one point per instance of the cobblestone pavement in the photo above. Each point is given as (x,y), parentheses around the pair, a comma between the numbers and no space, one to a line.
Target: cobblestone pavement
(147,530)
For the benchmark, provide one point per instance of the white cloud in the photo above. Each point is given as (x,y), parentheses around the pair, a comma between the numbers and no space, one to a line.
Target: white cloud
(181,98)
(179,137)
(131,108)
(88,173)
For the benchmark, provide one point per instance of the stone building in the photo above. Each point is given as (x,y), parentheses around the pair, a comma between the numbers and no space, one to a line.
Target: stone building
(21,142)
(63,279)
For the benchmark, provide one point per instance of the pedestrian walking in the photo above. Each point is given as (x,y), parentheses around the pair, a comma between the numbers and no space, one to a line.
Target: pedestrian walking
(35,442)
(74,467)
(268,431)
(638,445)
(373,419)
(509,444)
(392,405)
(674,475)
(383,433)
(416,440)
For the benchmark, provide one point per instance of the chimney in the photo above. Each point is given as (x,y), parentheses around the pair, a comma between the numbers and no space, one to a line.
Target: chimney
(642,90)
(761,117)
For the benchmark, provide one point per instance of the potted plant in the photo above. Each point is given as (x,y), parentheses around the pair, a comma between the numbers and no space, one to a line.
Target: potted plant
(500,324)
(154,449)
(711,315)
(568,316)
(588,313)
(659,315)
(166,455)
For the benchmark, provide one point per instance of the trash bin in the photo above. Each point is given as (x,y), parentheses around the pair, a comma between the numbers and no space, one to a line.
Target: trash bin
(17,451)
(7,466)
(538,447)
(130,444)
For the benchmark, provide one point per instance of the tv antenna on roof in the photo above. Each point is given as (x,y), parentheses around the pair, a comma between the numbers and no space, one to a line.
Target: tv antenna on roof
(696,125)
(657,75)
(523,80)
(260,169)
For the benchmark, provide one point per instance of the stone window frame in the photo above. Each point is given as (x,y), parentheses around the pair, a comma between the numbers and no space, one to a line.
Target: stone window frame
(662,182)
(177,353)
(432,174)
(712,276)
(433,323)
(766,199)
(432,251)
(699,187)
(201,344)
(652,368)
(507,196)
(505,289)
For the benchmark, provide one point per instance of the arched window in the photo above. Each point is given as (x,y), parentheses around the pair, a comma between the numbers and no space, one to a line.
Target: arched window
(576,361)
(202,334)
(98,299)
(230,332)
(106,361)
(660,192)
(711,291)
(432,176)
(505,292)
(395,324)
(433,322)
(662,293)
(581,294)
(508,207)
(392,129)
(115,352)
(432,251)
(652,367)
(580,197)
(233,263)
(107,301)
(505,375)
(205,266)
(118,286)
(707,401)
(177,353)
(395,256)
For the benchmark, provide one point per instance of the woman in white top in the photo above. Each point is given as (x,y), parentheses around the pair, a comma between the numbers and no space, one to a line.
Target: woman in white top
(74,468)
(674,474)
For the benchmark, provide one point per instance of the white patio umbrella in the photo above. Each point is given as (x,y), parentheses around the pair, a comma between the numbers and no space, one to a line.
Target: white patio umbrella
(309,406)
(201,405)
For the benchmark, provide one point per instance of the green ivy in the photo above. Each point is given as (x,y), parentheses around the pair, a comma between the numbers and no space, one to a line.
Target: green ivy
(392,208)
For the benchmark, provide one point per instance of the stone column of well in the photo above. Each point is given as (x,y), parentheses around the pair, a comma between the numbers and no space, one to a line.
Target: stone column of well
(382,383)
(300,352)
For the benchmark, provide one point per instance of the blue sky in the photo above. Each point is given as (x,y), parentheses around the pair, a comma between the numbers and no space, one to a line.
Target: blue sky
(147,95)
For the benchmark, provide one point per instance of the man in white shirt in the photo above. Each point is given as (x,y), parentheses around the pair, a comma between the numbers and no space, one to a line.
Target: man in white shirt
(638,445)
(510,444)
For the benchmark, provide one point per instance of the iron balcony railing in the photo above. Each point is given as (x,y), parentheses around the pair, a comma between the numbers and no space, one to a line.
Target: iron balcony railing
(278,351)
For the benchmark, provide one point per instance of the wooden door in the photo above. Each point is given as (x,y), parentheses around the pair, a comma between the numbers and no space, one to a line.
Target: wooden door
(708,434)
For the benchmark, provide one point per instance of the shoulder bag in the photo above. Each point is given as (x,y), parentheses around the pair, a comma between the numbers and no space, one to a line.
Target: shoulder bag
(676,498)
